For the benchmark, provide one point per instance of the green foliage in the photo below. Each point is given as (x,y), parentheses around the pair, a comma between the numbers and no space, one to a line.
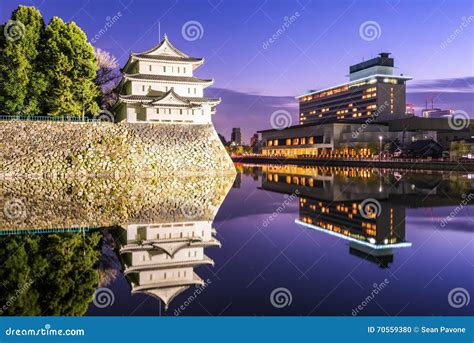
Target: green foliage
(49,275)
(46,70)
(71,70)
(22,82)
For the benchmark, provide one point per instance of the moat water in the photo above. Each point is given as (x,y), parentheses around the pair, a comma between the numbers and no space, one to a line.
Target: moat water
(274,240)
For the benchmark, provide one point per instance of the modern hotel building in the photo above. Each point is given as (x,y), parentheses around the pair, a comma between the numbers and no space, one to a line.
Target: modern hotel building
(372,86)
(355,118)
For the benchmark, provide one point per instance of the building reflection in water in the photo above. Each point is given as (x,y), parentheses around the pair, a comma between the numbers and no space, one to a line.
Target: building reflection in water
(159,259)
(331,200)
(154,230)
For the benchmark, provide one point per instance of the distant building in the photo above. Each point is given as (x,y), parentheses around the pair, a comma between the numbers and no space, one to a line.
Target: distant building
(158,86)
(435,113)
(410,109)
(372,92)
(359,117)
(256,143)
(236,136)
(254,140)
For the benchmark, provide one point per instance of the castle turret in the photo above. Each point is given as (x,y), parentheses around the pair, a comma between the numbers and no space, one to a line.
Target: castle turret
(158,85)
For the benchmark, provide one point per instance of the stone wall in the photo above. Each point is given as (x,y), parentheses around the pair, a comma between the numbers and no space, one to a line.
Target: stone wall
(57,149)
(99,202)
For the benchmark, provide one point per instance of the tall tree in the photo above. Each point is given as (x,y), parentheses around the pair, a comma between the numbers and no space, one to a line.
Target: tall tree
(22,82)
(71,70)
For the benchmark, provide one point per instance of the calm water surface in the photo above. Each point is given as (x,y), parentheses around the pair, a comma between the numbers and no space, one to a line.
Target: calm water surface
(284,240)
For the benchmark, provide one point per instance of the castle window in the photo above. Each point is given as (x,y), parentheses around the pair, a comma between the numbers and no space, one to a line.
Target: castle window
(149,67)
(164,69)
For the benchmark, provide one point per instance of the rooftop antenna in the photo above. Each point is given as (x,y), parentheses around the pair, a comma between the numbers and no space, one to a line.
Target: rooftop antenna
(159,31)
(432,103)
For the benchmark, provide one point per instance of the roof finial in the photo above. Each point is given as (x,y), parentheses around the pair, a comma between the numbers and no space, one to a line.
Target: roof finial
(165,36)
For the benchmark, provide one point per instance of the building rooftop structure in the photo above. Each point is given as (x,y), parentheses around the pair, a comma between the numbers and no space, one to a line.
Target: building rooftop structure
(372,92)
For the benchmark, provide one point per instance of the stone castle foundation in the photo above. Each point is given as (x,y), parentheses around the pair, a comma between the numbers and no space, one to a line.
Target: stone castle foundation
(98,149)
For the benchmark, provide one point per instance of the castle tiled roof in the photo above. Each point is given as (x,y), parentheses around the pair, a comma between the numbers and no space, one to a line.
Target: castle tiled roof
(168,58)
(169,78)
(151,98)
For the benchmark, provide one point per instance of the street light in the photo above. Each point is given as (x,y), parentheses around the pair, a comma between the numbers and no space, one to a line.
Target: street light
(380,148)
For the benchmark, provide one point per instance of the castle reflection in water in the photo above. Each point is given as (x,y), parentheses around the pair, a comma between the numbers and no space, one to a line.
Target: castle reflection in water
(161,230)
(154,233)
(332,200)
(159,259)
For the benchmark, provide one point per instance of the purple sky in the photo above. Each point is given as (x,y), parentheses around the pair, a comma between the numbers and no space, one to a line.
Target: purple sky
(255,77)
